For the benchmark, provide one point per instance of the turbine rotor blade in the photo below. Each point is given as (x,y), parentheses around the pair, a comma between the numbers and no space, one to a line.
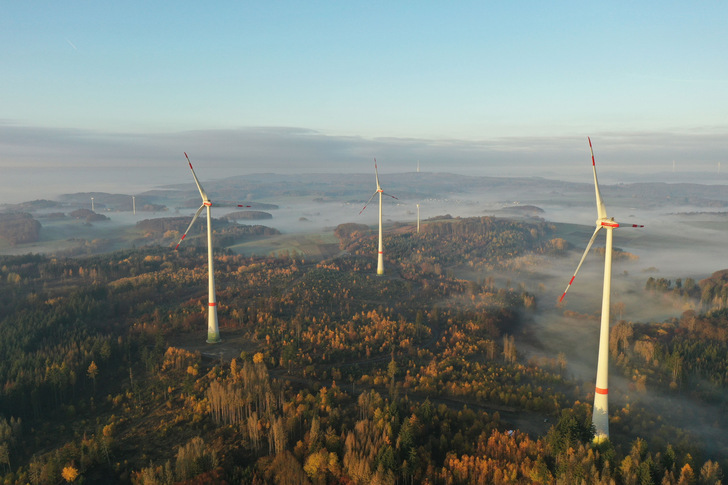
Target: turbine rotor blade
(614,224)
(376,173)
(583,257)
(190,226)
(199,187)
(389,195)
(601,210)
(370,199)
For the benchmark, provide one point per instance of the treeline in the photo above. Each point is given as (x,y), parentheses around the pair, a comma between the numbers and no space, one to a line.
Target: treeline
(711,292)
(679,354)
(249,215)
(689,288)
(167,230)
(88,215)
(480,243)
(19,227)
(714,290)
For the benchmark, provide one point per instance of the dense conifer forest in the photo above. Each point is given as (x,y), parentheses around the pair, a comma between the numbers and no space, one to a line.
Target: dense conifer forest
(328,374)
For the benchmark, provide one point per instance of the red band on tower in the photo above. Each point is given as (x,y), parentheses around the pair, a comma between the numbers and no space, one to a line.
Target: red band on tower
(599,390)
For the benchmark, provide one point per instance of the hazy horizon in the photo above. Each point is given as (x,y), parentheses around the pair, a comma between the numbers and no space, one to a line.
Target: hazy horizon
(48,163)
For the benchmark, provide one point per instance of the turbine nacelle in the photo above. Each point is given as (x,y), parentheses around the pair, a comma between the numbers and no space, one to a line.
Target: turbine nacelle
(611,223)
(379,189)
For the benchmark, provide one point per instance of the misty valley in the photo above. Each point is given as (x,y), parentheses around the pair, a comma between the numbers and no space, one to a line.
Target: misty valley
(458,365)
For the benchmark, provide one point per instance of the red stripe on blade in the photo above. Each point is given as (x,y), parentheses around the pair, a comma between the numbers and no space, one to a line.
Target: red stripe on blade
(592,151)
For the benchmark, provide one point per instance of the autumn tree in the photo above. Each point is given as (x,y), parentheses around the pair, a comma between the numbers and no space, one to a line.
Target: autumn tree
(93,372)
(69,473)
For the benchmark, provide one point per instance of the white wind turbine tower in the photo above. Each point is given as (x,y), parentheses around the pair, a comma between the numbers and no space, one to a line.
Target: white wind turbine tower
(600,415)
(380,259)
(213,332)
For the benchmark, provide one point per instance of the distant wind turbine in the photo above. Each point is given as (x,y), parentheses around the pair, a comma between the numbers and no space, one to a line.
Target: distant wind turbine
(600,415)
(380,259)
(418,218)
(92,204)
(133,204)
(213,331)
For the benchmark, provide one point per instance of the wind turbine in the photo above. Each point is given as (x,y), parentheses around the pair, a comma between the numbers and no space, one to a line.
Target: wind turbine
(600,415)
(213,332)
(133,204)
(380,260)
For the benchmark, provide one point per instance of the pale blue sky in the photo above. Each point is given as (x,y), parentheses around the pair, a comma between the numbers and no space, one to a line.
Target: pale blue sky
(412,69)
(77,73)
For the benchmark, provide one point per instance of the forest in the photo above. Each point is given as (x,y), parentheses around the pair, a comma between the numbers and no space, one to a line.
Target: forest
(167,229)
(328,374)
(19,227)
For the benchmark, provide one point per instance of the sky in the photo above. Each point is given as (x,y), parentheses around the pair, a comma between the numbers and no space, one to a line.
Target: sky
(301,86)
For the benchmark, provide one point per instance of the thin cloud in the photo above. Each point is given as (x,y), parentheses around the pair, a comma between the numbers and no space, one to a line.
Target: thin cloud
(300,150)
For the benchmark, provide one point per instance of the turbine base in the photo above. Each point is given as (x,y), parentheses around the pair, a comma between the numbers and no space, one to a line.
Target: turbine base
(600,438)
(213,338)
